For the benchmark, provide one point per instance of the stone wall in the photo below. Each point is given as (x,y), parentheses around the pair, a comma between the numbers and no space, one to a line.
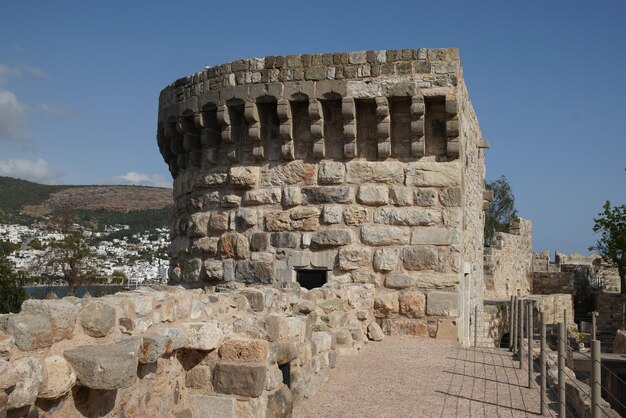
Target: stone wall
(508,262)
(367,166)
(611,308)
(545,283)
(248,352)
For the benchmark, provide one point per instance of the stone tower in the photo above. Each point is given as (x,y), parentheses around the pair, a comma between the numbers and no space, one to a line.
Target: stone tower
(363,167)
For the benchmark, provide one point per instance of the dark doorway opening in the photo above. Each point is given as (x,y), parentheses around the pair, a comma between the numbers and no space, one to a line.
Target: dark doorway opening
(310,279)
(285,370)
(504,341)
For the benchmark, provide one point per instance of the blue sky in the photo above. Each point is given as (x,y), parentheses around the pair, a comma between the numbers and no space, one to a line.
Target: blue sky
(79,85)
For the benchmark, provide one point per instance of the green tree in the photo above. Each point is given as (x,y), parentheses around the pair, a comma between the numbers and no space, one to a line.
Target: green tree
(12,292)
(611,246)
(501,209)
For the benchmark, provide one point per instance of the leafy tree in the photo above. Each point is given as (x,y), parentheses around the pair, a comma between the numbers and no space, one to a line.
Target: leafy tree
(501,209)
(12,292)
(611,246)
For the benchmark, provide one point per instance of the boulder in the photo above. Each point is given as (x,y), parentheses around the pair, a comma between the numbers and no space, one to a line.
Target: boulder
(97,319)
(61,313)
(374,332)
(30,376)
(9,375)
(58,378)
(30,331)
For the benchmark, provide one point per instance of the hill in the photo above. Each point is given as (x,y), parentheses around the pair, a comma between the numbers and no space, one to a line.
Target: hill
(141,207)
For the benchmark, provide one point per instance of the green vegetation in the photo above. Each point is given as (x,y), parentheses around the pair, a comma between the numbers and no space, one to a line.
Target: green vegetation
(138,221)
(501,209)
(12,293)
(15,194)
(611,246)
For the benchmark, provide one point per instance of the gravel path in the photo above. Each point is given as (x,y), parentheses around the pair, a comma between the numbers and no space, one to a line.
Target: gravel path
(418,377)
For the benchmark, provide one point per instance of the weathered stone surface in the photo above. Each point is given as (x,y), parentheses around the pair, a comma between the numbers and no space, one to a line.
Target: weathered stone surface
(30,331)
(58,378)
(321,342)
(285,239)
(294,172)
(619,345)
(443,303)
(10,376)
(420,258)
(374,332)
(359,172)
(108,367)
(6,344)
(280,403)
(332,214)
(214,269)
(177,336)
(244,350)
(423,279)
(385,259)
(259,241)
(450,196)
(373,194)
(244,177)
(198,224)
(412,303)
(425,197)
(230,201)
(233,245)
(331,238)
(331,305)
(401,195)
(292,196)
(245,379)
(387,303)
(412,216)
(219,221)
(355,215)
(256,299)
(447,330)
(30,376)
(203,335)
(61,313)
(433,174)
(262,197)
(331,172)
(245,218)
(353,257)
(435,236)
(327,194)
(154,346)
(216,177)
(213,406)
(255,271)
(200,377)
(378,235)
(97,318)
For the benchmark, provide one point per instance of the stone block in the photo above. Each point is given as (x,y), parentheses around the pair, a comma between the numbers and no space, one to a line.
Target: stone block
(433,174)
(282,352)
(331,238)
(435,236)
(412,216)
(354,257)
(26,389)
(61,313)
(200,377)
(401,195)
(412,303)
(9,375)
(245,218)
(244,379)
(443,303)
(259,241)
(447,330)
(280,403)
(244,177)
(256,299)
(314,195)
(233,245)
(359,172)
(331,172)
(386,303)
(422,279)
(198,224)
(292,196)
(153,346)
(58,378)
(321,341)
(214,269)
(406,326)
(420,258)
(331,214)
(379,235)
(203,335)
(331,305)
(97,319)
(244,350)
(213,406)
(277,221)
(355,215)
(107,367)
(425,197)
(230,201)
(285,239)
(294,172)
(385,259)
(255,271)
(365,276)
(450,196)
(374,332)
(30,331)
(204,246)
(262,197)
(373,194)
(7,342)
(219,221)
(177,336)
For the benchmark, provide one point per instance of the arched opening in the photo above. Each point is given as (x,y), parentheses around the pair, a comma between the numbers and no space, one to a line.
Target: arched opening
(504,340)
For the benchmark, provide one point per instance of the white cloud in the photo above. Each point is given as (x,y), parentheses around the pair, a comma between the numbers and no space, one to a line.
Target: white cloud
(59,111)
(141,179)
(12,117)
(37,171)
(21,70)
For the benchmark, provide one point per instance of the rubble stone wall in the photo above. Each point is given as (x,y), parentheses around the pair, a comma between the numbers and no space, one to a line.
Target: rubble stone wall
(508,262)
(611,308)
(168,351)
(367,165)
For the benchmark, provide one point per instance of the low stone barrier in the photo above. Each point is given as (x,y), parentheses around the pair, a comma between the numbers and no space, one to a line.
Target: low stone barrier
(168,351)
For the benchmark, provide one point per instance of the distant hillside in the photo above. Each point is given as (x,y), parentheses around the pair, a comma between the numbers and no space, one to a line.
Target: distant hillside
(140,207)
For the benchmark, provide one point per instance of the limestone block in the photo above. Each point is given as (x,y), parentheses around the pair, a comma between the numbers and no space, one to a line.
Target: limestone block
(244,350)
(10,375)
(373,194)
(331,238)
(453,217)
(214,269)
(58,378)
(203,335)
(331,172)
(355,215)
(420,258)
(6,345)
(401,195)
(443,303)
(327,194)
(406,326)
(413,216)
(259,241)
(245,218)
(365,276)
(154,346)
(200,377)
(374,332)
(97,318)
(331,305)
(219,221)
(198,224)
(425,197)
(177,336)
(385,259)
(387,303)
(280,403)
(292,196)
(192,268)
(30,331)
(331,214)
(435,236)
(378,235)
(244,177)
(412,303)
(213,406)
(262,197)
(450,196)
(233,245)
(447,330)
(255,271)
(215,177)
(422,279)
(30,376)
(359,172)
(230,201)
(108,367)
(323,259)
(285,239)
(61,313)
(256,299)
(321,341)
(433,174)
(277,221)
(294,172)
(304,218)
(245,379)
(354,257)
